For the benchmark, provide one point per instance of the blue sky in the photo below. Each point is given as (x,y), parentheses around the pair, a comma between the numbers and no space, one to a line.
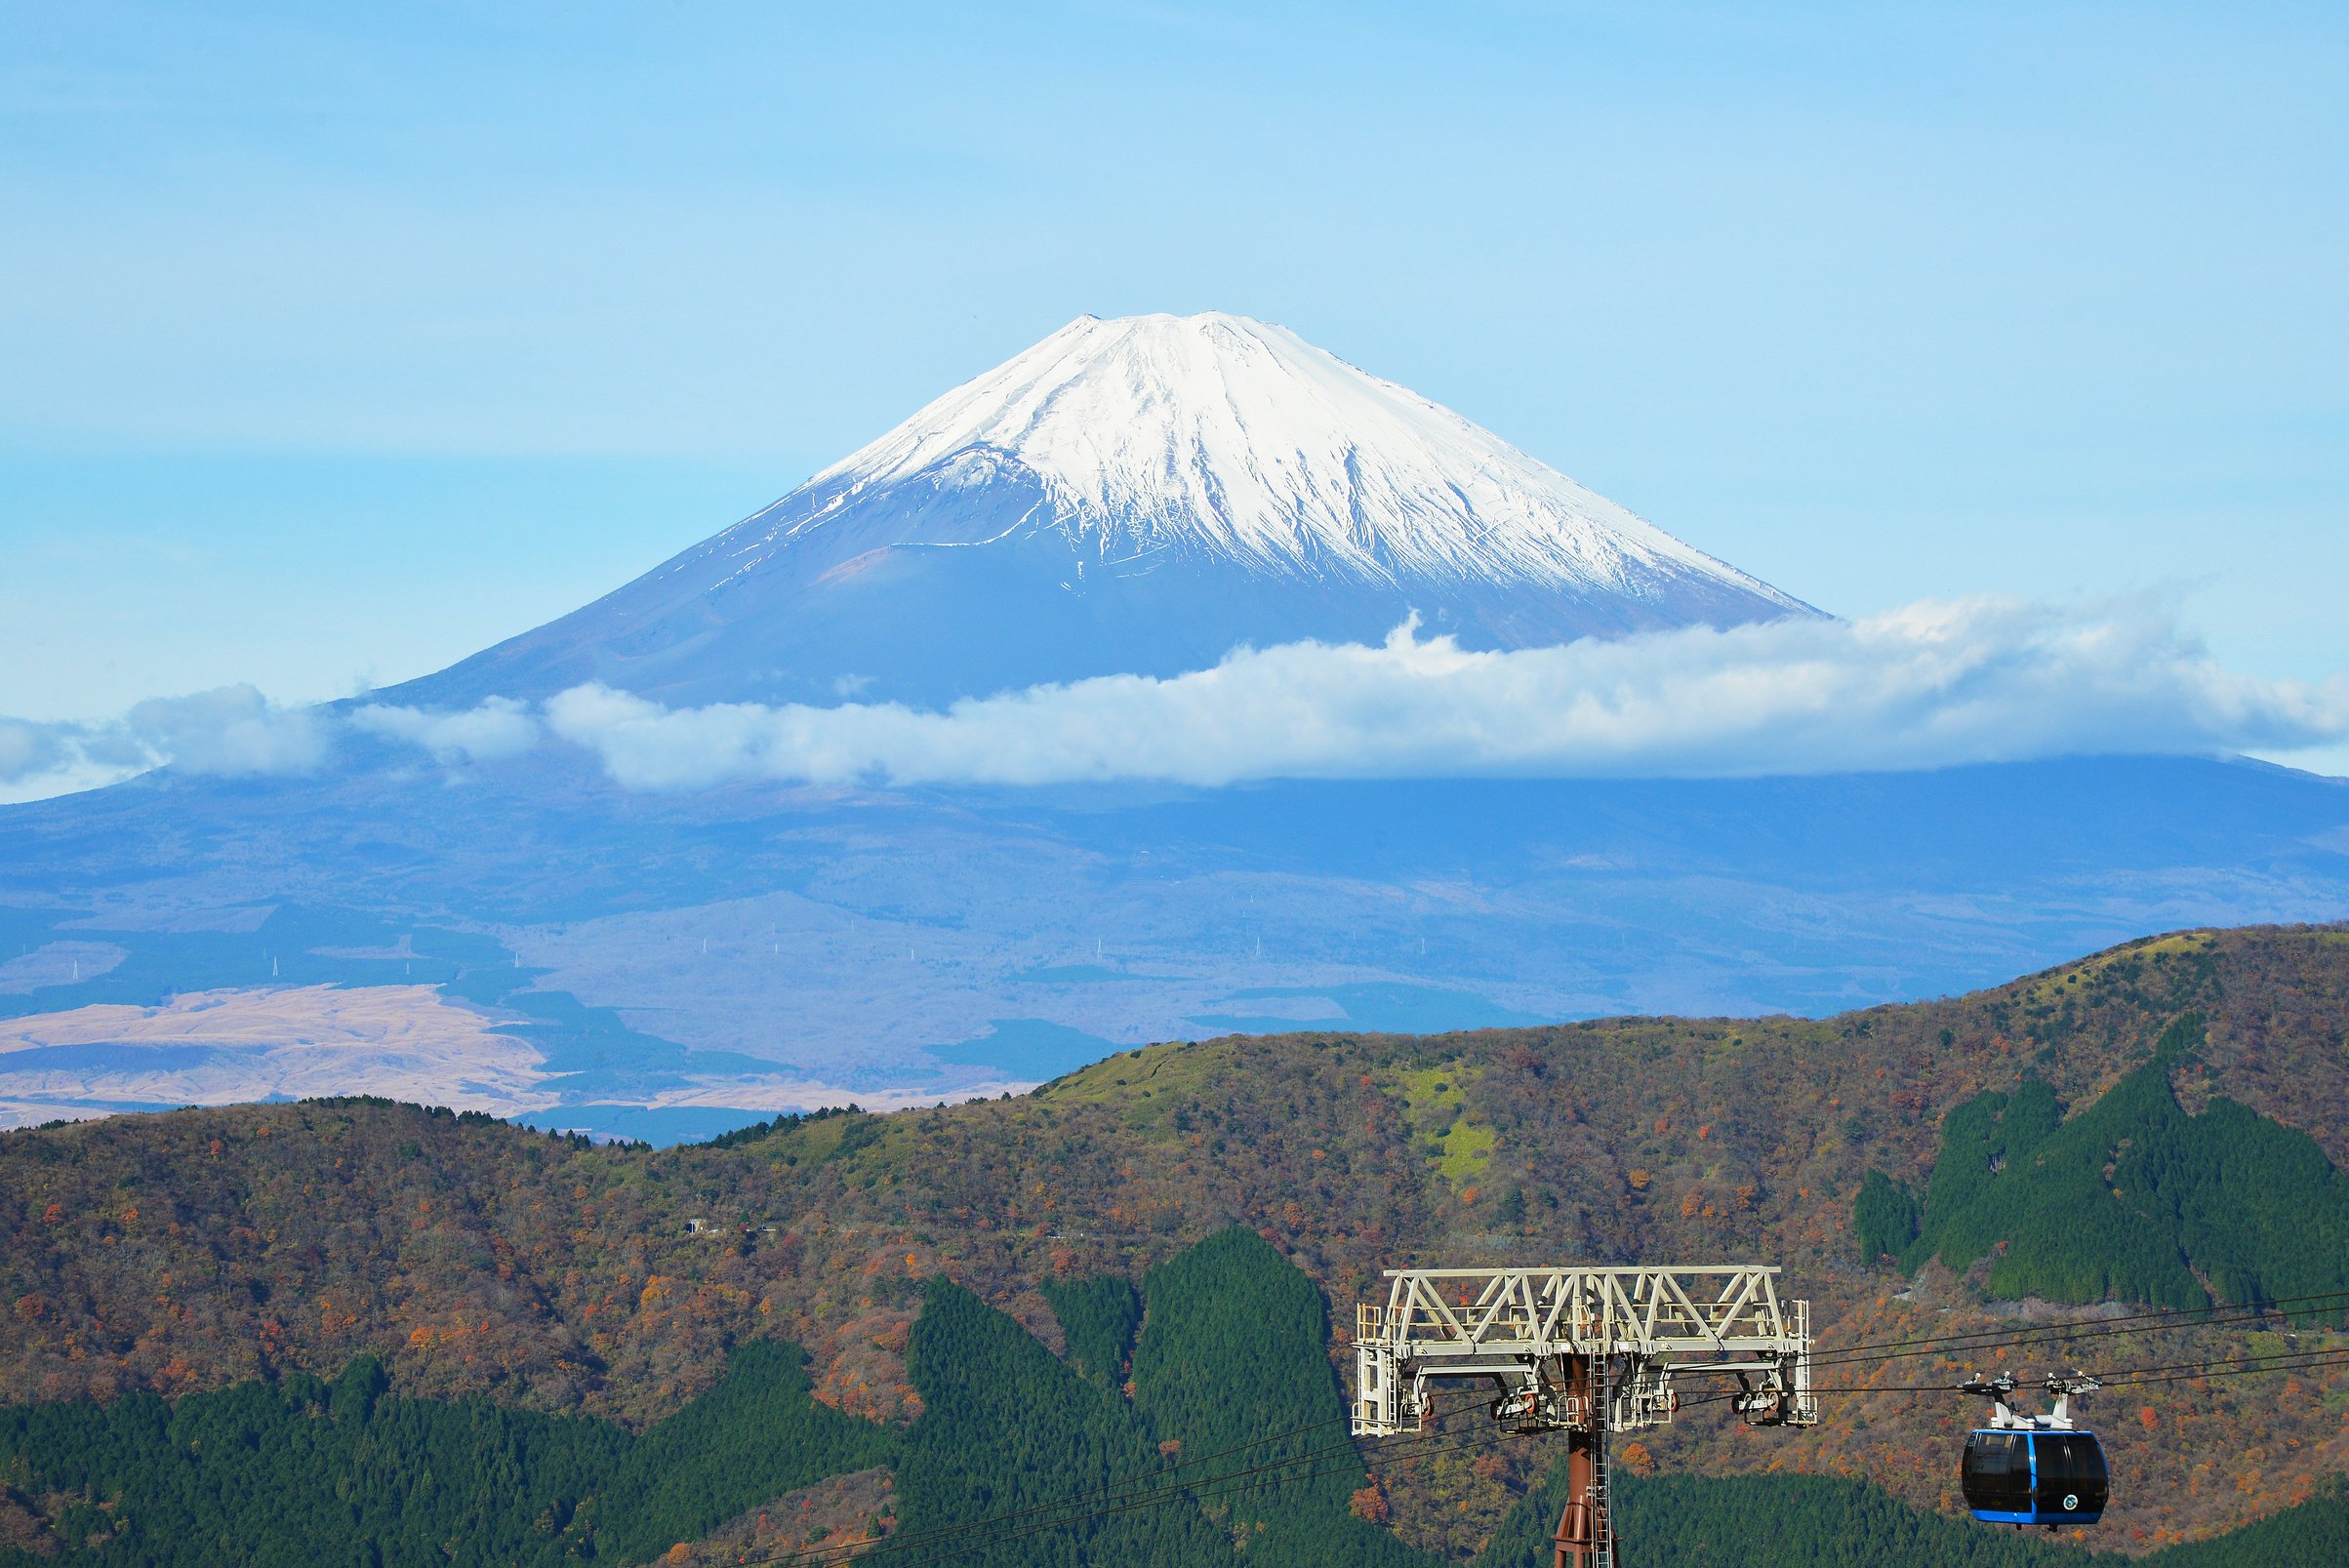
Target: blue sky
(344,340)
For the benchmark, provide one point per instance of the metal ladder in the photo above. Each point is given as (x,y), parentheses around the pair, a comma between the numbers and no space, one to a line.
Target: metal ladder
(1602,1464)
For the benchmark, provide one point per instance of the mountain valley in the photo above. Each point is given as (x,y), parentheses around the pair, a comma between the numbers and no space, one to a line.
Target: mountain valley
(673,966)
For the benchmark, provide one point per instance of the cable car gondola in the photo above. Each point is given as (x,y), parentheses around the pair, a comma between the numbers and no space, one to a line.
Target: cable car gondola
(2033,1470)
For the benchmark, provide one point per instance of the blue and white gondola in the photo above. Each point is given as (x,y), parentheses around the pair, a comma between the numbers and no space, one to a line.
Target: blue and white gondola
(2033,1470)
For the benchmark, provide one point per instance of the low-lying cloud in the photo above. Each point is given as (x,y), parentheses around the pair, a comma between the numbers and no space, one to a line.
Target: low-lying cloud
(237,732)
(233,732)
(499,727)
(1933,685)
(28,750)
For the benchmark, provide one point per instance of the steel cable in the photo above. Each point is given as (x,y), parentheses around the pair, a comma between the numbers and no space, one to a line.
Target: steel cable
(1153,1491)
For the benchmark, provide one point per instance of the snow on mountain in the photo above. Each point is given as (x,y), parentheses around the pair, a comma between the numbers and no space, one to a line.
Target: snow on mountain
(1135,495)
(1219,434)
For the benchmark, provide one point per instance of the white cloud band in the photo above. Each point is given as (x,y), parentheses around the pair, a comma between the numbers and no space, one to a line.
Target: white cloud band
(1932,685)
(499,727)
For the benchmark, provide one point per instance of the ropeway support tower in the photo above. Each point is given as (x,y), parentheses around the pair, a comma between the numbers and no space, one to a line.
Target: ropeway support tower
(1586,1351)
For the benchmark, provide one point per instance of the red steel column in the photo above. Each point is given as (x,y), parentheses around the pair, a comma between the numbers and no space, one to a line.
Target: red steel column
(1583,1527)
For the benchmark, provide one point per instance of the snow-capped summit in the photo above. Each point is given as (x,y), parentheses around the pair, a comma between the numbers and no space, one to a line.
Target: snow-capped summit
(1230,436)
(1136,495)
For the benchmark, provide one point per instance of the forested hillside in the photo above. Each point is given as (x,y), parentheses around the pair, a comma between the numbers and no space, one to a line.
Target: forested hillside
(1810,1521)
(1224,1448)
(2130,1199)
(299,1471)
(474,1261)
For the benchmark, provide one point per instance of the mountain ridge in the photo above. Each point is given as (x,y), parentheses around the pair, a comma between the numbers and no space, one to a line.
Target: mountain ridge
(477,1259)
(1135,496)
(843,938)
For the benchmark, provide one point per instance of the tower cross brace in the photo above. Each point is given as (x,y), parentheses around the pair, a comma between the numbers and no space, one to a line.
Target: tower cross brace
(1587,1352)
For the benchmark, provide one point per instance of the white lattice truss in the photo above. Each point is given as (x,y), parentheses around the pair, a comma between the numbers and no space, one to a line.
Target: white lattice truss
(1518,1328)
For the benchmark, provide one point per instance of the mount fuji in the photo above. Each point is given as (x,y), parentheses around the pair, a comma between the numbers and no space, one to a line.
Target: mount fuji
(511,931)
(1136,495)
